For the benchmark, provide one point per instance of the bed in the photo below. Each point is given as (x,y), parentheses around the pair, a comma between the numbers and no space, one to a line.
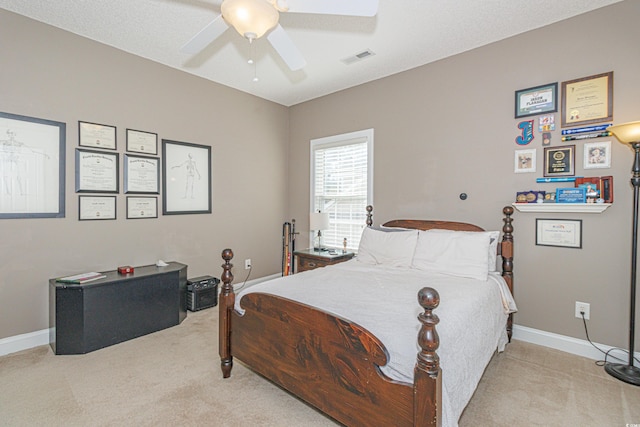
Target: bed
(330,352)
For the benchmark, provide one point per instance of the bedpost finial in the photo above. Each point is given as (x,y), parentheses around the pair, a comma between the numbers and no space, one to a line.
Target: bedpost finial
(227,255)
(428,298)
(508,210)
(428,340)
(369,215)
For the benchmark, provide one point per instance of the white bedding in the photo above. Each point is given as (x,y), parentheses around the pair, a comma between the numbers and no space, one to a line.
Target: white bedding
(383,299)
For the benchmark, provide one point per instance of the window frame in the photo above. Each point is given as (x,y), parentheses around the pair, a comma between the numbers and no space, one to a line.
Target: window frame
(366,135)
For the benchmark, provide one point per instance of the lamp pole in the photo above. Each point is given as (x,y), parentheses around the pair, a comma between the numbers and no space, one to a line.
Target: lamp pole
(629,373)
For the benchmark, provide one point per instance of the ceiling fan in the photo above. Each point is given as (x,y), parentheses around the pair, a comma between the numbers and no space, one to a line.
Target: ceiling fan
(253,19)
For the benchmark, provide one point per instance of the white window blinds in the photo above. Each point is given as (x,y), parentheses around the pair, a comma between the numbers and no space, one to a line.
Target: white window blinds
(341,177)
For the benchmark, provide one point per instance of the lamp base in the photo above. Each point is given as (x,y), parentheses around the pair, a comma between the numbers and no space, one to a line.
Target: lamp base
(628,374)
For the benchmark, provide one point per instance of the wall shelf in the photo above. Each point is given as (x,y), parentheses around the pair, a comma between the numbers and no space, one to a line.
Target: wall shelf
(562,207)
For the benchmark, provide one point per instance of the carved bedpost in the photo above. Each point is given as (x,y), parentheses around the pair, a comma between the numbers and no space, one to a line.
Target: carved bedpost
(225,307)
(507,257)
(369,215)
(427,377)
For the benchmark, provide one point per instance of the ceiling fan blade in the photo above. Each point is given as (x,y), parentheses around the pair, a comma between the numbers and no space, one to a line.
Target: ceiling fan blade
(208,34)
(285,47)
(334,7)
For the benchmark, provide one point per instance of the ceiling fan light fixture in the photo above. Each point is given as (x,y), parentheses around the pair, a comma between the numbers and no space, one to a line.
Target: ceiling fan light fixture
(250,18)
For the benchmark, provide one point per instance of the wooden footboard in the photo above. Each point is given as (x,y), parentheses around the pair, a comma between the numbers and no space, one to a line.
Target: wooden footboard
(333,363)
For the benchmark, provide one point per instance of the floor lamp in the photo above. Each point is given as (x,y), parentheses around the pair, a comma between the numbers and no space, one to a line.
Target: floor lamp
(629,133)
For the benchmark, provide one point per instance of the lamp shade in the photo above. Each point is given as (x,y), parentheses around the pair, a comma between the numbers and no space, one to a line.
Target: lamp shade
(251,18)
(627,133)
(318,221)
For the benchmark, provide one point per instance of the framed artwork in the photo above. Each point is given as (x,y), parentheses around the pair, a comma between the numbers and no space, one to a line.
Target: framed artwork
(564,233)
(141,174)
(186,178)
(525,161)
(32,159)
(96,172)
(587,100)
(95,135)
(96,207)
(597,155)
(560,161)
(537,100)
(142,207)
(142,142)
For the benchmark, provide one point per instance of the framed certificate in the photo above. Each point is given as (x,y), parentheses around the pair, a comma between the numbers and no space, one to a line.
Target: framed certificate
(565,233)
(32,167)
(96,207)
(141,174)
(142,207)
(186,178)
(96,172)
(537,100)
(587,100)
(560,161)
(96,136)
(142,142)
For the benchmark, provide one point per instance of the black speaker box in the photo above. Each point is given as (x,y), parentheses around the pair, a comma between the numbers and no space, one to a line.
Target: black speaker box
(202,292)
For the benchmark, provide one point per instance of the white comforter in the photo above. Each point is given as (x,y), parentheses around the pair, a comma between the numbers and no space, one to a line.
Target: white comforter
(383,300)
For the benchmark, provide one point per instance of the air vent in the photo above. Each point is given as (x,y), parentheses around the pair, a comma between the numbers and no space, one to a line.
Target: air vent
(358,57)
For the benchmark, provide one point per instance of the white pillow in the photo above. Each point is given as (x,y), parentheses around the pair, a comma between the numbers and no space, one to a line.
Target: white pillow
(381,247)
(494,239)
(453,253)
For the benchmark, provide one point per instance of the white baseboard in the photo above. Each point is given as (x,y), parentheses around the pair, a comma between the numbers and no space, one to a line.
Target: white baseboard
(567,344)
(34,339)
(23,342)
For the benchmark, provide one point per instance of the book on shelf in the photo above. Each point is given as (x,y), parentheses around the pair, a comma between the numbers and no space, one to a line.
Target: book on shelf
(81,278)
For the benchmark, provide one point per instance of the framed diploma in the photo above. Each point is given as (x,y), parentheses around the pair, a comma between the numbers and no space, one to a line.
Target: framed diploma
(141,174)
(560,161)
(96,171)
(537,100)
(186,178)
(32,167)
(142,142)
(587,100)
(96,207)
(96,136)
(565,233)
(142,207)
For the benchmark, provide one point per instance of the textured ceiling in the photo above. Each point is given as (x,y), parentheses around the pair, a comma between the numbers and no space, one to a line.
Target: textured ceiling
(403,35)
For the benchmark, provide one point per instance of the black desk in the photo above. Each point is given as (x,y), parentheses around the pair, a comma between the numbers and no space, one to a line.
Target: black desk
(120,307)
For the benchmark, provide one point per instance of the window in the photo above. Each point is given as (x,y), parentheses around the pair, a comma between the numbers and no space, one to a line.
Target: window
(342,185)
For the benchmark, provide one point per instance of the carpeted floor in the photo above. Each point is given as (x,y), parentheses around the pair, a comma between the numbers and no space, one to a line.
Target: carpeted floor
(172,377)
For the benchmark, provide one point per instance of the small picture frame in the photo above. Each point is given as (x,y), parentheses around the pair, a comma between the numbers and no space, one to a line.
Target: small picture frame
(142,207)
(142,142)
(597,155)
(525,161)
(95,135)
(96,208)
(537,100)
(559,161)
(97,171)
(563,233)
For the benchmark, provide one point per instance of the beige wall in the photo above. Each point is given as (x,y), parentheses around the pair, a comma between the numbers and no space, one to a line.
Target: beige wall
(51,74)
(448,128)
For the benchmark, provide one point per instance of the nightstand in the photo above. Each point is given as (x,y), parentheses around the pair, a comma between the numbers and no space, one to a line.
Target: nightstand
(308,259)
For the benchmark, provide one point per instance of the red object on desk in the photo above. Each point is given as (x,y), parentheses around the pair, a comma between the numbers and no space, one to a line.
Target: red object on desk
(126,269)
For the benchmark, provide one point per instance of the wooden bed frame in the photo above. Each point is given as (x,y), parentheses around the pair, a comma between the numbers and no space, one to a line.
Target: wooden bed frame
(332,363)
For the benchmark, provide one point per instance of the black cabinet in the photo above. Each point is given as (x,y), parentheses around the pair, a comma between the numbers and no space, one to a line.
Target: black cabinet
(117,308)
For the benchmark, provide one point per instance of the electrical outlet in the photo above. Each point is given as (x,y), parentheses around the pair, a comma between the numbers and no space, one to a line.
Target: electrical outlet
(583,307)
(247,264)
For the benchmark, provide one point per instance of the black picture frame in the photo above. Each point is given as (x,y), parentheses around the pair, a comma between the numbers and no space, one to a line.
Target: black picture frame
(536,100)
(37,149)
(142,207)
(186,178)
(96,135)
(97,171)
(142,142)
(141,174)
(563,233)
(560,161)
(97,208)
